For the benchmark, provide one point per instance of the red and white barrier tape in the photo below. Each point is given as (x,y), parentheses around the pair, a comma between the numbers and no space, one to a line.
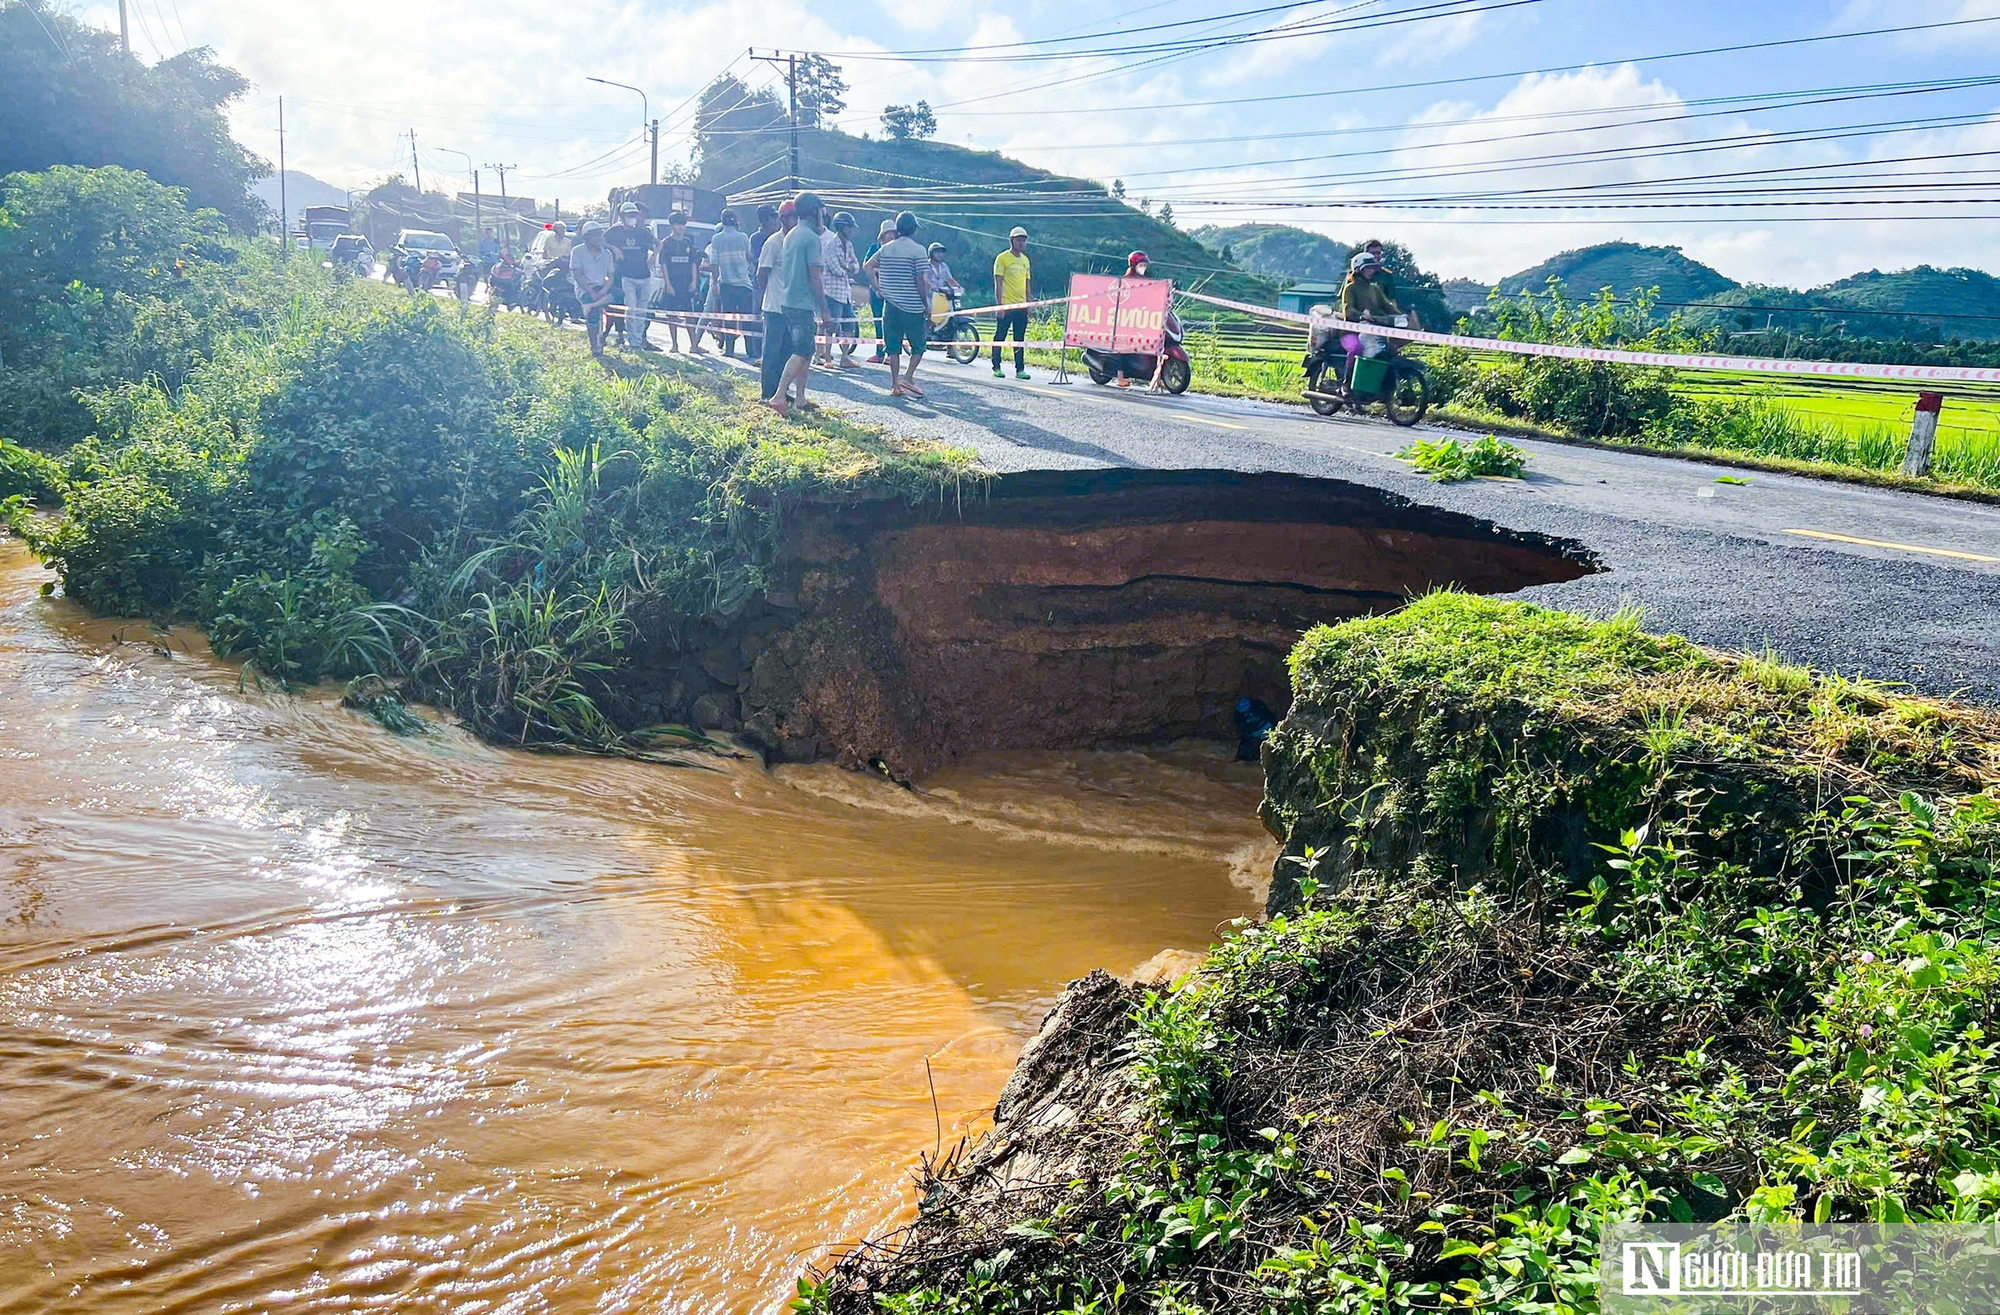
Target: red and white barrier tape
(1671,360)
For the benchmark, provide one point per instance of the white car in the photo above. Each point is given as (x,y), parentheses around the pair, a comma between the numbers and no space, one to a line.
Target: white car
(423,242)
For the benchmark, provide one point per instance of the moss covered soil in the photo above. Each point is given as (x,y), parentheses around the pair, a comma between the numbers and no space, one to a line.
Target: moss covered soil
(1575,924)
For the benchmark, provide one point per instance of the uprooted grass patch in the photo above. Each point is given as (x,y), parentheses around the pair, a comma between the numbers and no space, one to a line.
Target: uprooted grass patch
(1581,924)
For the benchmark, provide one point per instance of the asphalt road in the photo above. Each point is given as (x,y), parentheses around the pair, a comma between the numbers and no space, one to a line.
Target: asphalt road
(1736,566)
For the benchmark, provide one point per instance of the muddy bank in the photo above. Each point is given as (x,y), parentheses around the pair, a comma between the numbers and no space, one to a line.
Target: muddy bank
(1060,609)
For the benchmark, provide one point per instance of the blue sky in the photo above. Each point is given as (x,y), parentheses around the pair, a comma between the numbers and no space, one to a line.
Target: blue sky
(503,81)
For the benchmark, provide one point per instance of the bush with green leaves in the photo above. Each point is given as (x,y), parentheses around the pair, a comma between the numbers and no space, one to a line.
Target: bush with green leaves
(1587,398)
(1574,924)
(369,483)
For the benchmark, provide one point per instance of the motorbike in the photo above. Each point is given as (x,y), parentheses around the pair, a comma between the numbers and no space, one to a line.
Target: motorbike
(1399,383)
(1175,376)
(507,284)
(551,293)
(956,333)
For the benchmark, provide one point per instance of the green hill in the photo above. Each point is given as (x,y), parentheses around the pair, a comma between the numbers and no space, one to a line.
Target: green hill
(1925,304)
(1625,267)
(1279,251)
(966,199)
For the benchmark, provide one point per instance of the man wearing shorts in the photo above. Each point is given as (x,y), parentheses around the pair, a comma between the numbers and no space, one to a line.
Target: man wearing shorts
(804,262)
(593,269)
(776,354)
(677,261)
(899,269)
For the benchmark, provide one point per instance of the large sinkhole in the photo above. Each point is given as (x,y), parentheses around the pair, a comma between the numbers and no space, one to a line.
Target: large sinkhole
(1064,609)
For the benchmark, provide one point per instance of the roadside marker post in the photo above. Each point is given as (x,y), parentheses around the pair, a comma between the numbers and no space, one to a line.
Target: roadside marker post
(1923,434)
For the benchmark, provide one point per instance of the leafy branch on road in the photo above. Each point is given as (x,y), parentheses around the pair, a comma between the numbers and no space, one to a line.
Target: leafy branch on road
(1447,460)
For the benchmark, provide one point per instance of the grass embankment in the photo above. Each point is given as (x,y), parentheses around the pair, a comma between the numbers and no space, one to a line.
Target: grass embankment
(1579,924)
(383,486)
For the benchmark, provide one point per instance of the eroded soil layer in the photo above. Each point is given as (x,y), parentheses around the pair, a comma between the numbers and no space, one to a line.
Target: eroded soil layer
(1060,609)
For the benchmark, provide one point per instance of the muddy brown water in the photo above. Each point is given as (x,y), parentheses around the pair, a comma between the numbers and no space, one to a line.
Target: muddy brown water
(297,1014)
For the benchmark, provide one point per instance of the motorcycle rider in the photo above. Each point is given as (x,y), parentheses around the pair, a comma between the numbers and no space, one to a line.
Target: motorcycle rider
(553,244)
(1365,299)
(504,280)
(1136,266)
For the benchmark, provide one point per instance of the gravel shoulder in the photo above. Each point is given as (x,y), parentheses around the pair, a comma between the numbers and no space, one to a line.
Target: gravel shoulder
(1739,566)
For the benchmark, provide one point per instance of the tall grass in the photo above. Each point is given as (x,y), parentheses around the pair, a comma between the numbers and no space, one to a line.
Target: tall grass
(1757,427)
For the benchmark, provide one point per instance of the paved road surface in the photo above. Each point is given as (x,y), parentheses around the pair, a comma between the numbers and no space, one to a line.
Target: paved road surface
(1729,565)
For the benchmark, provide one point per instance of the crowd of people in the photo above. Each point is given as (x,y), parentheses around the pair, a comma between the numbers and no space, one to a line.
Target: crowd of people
(790,290)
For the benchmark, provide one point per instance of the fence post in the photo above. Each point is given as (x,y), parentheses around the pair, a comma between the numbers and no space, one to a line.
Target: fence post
(1923,434)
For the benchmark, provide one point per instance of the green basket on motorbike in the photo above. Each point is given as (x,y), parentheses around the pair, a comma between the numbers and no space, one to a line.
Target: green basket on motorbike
(1370,373)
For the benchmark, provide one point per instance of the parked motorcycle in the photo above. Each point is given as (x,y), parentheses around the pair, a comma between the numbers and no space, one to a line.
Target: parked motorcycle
(551,294)
(1175,377)
(1387,376)
(955,332)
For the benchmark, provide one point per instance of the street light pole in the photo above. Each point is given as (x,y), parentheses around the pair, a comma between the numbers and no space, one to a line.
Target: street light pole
(645,116)
(476,229)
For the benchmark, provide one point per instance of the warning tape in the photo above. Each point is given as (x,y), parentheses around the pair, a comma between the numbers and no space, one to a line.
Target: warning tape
(1669,360)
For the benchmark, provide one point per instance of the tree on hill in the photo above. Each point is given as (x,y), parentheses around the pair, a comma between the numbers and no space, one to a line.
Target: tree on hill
(1626,268)
(904,122)
(728,109)
(1920,305)
(820,91)
(73,96)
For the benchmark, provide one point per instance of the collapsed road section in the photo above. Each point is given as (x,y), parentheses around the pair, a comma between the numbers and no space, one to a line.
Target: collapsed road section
(1058,609)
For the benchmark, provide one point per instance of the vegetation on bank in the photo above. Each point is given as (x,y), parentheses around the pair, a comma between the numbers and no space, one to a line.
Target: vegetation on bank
(338,480)
(1575,924)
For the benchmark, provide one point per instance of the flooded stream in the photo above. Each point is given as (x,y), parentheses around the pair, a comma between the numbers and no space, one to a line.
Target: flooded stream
(295,1013)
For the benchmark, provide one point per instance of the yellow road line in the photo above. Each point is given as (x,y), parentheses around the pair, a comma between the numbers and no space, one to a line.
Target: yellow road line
(1898,547)
(1204,420)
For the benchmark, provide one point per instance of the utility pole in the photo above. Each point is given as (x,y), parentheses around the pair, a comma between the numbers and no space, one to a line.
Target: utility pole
(284,208)
(124,29)
(791,63)
(656,152)
(507,223)
(416,168)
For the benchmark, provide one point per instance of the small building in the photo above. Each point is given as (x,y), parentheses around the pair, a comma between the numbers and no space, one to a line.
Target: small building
(1300,298)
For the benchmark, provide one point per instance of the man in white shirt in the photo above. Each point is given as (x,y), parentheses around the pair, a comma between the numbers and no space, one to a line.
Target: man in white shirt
(593,268)
(771,301)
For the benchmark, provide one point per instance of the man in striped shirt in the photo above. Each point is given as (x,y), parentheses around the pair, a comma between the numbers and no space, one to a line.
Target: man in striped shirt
(901,270)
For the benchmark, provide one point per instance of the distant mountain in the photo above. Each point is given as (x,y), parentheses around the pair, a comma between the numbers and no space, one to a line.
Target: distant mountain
(1279,251)
(1625,267)
(1464,295)
(1925,304)
(301,190)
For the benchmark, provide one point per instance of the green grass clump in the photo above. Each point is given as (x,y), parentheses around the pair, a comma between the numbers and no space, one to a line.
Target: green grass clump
(1447,460)
(1576,925)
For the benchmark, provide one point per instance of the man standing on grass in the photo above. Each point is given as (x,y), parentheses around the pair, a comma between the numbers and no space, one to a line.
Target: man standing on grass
(593,268)
(777,351)
(899,271)
(805,298)
(676,258)
(634,246)
(1013,283)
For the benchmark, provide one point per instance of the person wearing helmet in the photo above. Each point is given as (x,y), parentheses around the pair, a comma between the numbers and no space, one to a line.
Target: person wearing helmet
(553,244)
(940,272)
(900,270)
(1365,297)
(1013,283)
(593,268)
(843,266)
(634,248)
(678,263)
(1136,265)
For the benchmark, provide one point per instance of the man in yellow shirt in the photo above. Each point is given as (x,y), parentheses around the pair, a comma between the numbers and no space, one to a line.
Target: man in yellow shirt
(1013,283)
